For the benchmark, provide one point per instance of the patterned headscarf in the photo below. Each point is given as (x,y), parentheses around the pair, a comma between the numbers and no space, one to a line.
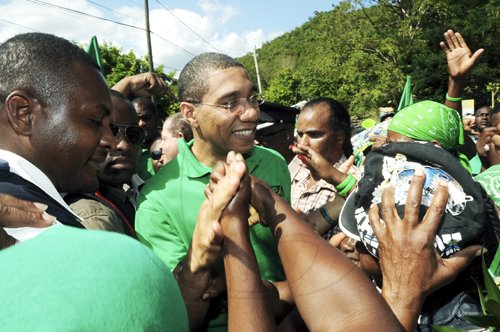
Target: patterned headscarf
(490,180)
(431,121)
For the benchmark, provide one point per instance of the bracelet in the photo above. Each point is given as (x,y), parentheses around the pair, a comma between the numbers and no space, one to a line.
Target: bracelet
(327,217)
(453,99)
(346,185)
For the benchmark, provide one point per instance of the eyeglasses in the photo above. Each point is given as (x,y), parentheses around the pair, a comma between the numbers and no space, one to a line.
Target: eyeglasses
(133,133)
(156,154)
(238,105)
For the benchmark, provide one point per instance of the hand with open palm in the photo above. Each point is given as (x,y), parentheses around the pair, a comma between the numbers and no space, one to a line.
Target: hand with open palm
(458,55)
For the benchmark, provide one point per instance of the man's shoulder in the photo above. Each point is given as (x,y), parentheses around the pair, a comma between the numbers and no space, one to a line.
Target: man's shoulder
(86,206)
(12,182)
(268,153)
(96,214)
(270,166)
(166,176)
(270,156)
(16,186)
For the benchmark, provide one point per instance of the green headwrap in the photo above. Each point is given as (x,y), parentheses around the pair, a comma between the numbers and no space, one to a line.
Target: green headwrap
(490,180)
(431,121)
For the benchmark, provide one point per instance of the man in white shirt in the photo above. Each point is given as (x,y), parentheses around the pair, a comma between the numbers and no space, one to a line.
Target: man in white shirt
(54,122)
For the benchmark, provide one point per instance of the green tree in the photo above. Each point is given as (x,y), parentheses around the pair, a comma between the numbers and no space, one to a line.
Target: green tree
(283,88)
(361,51)
(118,64)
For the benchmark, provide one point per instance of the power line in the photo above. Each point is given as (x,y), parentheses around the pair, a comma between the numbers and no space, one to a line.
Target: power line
(28,28)
(111,21)
(178,19)
(114,12)
(102,6)
(19,25)
(176,46)
(164,39)
(136,3)
(83,13)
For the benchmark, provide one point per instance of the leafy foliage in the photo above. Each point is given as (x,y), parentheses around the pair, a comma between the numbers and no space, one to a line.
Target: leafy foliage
(361,51)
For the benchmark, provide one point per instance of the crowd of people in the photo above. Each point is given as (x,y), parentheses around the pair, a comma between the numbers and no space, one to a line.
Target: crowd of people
(110,223)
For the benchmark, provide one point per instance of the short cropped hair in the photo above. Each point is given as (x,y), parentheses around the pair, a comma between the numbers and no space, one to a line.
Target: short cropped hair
(193,80)
(180,125)
(339,119)
(40,64)
(481,108)
(120,95)
(146,103)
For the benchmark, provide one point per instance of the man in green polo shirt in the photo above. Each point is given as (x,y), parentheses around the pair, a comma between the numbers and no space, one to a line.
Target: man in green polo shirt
(222,106)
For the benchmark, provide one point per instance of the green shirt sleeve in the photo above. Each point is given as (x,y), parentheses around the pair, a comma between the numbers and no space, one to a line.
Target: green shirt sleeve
(154,229)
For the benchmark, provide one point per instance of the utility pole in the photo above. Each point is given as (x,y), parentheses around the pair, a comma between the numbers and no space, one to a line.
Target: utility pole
(148,35)
(257,69)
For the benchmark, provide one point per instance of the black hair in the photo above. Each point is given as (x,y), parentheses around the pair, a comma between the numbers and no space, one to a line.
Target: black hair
(124,98)
(339,119)
(483,107)
(193,80)
(147,103)
(40,64)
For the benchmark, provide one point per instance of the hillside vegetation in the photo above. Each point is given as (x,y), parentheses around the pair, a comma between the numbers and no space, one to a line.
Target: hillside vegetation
(361,51)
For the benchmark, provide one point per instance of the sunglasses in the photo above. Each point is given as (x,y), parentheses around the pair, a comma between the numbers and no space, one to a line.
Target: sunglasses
(133,133)
(156,154)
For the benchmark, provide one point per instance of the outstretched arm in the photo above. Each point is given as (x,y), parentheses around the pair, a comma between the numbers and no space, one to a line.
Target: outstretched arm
(248,309)
(322,219)
(411,267)
(460,62)
(195,273)
(328,289)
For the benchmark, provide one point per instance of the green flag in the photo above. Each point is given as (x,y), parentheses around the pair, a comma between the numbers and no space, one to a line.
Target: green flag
(406,97)
(94,52)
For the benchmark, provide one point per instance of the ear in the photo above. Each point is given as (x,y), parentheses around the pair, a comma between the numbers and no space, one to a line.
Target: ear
(21,108)
(189,112)
(179,135)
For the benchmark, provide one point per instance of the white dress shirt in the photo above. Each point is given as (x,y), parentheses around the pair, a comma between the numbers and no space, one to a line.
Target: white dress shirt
(33,174)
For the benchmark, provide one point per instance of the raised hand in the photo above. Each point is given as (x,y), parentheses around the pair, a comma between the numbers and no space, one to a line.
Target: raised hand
(197,273)
(459,56)
(248,309)
(207,237)
(144,85)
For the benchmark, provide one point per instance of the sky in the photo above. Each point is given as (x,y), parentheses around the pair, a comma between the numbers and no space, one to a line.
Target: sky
(180,29)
